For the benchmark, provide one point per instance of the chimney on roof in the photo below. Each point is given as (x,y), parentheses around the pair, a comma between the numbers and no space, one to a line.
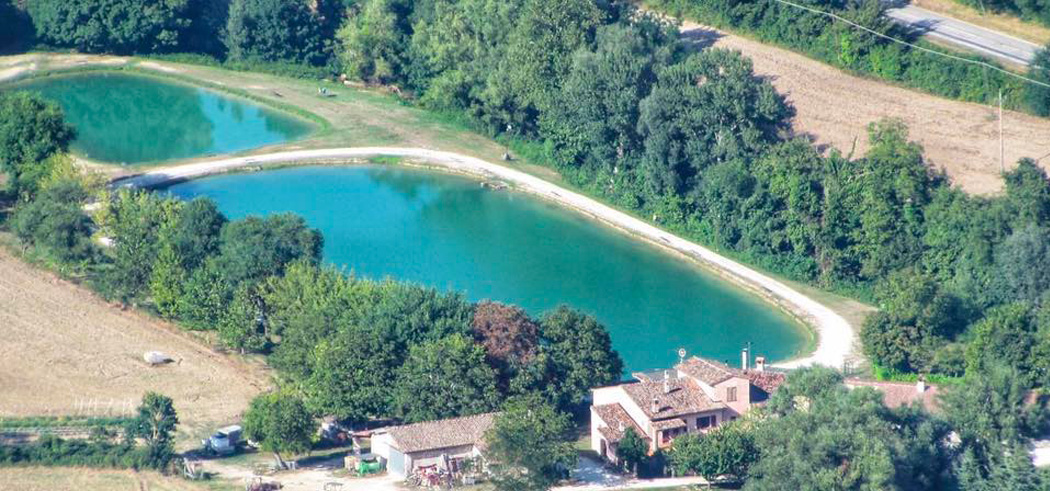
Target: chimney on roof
(744,358)
(655,405)
(667,382)
(920,386)
(760,363)
(622,427)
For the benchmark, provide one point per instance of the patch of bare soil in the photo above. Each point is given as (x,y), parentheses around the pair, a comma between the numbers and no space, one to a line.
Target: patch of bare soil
(834,109)
(65,351)
(79,479)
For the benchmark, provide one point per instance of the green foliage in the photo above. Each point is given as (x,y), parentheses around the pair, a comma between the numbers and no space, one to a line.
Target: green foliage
(137,220)
(1037,97)
(255,248)
(373,41)
(443,379)
(1034,10)
(51,450)
(280,423)
(915,319)
(829,437)
(725,453)
(273,31)
(992,413)
(55,222)
(18,28)
(110,26)
(31,130)
(632,451)
(1005,336)
(166,281)
(530,446)
(155,425)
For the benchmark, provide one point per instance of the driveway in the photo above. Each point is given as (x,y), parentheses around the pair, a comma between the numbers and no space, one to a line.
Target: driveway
(593,476)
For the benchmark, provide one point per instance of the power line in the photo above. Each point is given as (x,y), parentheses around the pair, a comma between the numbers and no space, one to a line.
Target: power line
(915,46)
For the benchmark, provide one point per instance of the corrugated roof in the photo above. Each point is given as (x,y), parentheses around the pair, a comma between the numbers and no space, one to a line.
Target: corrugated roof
(445,433)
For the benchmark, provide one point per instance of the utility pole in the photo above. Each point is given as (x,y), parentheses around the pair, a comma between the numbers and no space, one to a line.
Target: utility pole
(1002,160)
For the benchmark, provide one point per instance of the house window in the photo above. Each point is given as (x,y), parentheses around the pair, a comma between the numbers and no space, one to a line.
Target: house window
(731,394)
(705,422)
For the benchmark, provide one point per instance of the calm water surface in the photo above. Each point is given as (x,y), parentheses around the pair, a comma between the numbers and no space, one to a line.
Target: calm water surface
(131,119)
(448,232)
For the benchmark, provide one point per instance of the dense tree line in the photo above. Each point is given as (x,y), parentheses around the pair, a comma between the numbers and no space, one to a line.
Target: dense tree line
(1034,10)
(817,434)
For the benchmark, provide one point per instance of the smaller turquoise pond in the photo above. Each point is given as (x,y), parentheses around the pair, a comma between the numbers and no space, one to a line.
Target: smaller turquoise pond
(133,119)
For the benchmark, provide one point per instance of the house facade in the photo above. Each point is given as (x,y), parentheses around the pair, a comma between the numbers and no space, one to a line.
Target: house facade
(695,396)
(443,444)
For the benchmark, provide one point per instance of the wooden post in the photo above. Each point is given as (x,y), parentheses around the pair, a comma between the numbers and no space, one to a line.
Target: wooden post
(1002,159)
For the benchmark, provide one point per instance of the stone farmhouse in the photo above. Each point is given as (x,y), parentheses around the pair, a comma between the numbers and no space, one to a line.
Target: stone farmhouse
(695,396)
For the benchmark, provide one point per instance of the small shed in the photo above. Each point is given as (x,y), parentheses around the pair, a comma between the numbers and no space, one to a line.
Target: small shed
(444,443)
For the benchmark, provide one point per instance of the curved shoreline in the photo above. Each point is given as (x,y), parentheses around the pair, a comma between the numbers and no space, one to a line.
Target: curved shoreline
(835,336)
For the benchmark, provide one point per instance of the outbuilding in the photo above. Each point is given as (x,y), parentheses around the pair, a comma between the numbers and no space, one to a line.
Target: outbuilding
(444,444)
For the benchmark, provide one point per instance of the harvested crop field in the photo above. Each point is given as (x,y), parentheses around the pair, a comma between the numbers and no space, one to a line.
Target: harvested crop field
(65,351)
(834,108)
(76,479)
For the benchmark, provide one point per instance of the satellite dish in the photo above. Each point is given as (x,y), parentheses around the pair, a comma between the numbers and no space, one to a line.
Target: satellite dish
(681,353)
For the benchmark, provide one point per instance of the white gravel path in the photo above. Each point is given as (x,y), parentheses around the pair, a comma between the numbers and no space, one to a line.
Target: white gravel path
(835,335)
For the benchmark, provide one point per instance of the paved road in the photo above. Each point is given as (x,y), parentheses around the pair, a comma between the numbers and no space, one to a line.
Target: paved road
(974,38)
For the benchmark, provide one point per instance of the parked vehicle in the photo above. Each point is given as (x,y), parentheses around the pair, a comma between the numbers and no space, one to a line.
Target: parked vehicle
(225,441)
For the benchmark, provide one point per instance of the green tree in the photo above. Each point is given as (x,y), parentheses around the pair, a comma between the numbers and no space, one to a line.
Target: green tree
(632,451)
(243,325)
(576,355)
(273,30)
(111,26)
(55,222)
(373,41)
(915,319)
(155,424)
(443,379)
(166,282)
(280,423)
(135,228)
(194,233)
(725,453)
(254,248)
(991,412)
(530,446)
(18,30)
(205,297)
(1037,97)
(1005,336)
(1020,265)
(31,130)
(351,375)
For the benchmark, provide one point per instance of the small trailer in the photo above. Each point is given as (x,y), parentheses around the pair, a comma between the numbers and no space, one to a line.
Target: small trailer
(225,441)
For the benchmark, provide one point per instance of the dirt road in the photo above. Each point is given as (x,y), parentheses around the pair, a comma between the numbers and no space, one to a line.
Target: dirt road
(64,351)
(834,109)
(836,337)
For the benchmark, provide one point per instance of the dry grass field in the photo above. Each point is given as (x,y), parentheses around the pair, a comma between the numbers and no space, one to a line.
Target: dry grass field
(63,350)
(77,479)
(834,108)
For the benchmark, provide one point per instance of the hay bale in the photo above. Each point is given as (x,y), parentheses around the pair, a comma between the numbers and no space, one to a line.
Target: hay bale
(156,358)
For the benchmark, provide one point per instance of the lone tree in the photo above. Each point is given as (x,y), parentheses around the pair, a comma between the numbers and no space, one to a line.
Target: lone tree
(530,446)
(632,450)
(280,423)
(155,424)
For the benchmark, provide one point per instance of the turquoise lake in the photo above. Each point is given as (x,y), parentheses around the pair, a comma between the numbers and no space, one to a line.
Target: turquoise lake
(448,232)
(133,119)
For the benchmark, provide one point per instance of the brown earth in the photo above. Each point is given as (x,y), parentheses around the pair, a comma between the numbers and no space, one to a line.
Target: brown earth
(79,479)
(65,351)
(834,108)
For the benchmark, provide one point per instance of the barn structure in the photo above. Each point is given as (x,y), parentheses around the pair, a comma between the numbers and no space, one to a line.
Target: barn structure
(444,444)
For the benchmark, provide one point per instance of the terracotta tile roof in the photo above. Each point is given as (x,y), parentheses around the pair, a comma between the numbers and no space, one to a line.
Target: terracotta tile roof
(896,394)
(667,424)
(445,433)
(615,417)
(685,397)
(707,371)
(766,380)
